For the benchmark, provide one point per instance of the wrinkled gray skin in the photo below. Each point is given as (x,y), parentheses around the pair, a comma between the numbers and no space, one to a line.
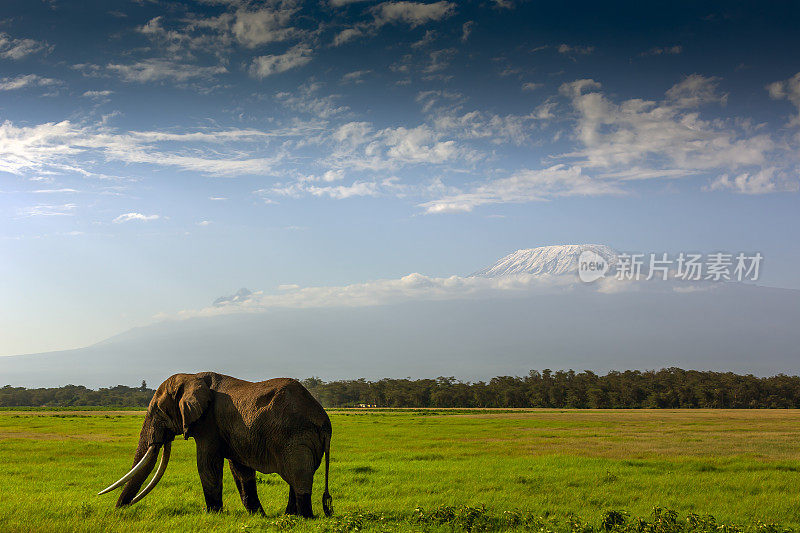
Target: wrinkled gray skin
(272,426)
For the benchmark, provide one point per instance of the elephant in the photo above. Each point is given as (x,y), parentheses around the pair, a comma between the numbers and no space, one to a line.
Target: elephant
(273,426)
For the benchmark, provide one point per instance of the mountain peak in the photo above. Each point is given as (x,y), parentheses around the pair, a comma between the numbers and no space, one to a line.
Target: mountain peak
(545,260)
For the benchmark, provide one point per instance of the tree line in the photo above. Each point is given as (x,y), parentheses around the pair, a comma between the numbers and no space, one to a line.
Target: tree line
(668,388)
(76,396)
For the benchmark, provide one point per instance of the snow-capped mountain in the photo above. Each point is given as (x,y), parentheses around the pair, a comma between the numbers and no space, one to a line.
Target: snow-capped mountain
(550,260)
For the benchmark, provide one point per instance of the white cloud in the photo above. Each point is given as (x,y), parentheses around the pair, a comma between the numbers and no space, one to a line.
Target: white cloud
(241,24)
(243,295)
(337,192)
(358,146)
(206,165)
(97,94)
(306,99)
(413,287)
(346,36)
(663,50)
(530,86)
(504,4)
(332,175)
(142,147)
(660,139)
(353,133)
(479,125)
(35,147)
(524,186)
(27,80)
(766,180)
(11,48)
(41,210)
(577,87)
(54,191)
(263,26)
(445,111)
(789,90)
(58,147)
(252,25)
(696,90)
(340,3)
(412,13)
(128,217)
(466,30)
(179,43)
(357,76)
(264,66)
(427,39)
(439,60)
(151,70)
(417,145)
(575,50)
(204,223)
(153,26)
(329,184)
(211,136)
(436,100)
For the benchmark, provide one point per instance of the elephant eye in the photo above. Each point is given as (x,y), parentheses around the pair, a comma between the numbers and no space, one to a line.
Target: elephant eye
(159,412)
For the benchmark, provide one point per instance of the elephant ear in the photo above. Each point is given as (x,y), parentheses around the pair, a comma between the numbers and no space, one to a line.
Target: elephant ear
(193,397)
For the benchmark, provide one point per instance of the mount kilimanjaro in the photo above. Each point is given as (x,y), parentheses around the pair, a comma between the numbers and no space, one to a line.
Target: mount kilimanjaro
(545,260)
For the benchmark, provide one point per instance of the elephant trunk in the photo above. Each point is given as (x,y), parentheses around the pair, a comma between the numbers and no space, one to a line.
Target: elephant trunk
(143,462)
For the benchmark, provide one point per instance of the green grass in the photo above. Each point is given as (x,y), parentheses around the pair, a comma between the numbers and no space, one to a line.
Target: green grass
(547,470)
(59,408)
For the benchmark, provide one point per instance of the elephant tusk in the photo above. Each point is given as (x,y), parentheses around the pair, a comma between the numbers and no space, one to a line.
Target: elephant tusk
(162,467)
(141,464)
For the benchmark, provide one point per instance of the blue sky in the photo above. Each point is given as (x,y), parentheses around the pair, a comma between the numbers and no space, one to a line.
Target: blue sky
(157,155)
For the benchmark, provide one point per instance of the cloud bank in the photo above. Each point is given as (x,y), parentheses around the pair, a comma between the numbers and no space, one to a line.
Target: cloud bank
(418,287)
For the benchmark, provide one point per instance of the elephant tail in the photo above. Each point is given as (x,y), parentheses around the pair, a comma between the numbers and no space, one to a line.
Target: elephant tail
(327,501)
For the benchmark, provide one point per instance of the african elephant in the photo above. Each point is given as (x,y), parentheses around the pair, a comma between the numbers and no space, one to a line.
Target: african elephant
(269,426)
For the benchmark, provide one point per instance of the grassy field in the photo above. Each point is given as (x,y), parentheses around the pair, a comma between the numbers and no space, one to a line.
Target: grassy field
(544,470)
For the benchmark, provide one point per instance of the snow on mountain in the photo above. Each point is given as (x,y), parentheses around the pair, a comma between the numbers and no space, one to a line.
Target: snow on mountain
(549,260)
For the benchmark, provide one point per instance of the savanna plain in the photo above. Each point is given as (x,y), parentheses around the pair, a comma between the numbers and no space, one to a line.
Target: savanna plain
(644,471)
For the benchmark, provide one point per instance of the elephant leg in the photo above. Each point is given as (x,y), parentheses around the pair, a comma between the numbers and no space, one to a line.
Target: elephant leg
(300,465)
(291,507)
(304,505)
(245,478)
(209,465)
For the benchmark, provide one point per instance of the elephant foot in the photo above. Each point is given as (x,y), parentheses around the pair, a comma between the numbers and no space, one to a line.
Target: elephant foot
(213,504)
(251,503)
(304,506)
